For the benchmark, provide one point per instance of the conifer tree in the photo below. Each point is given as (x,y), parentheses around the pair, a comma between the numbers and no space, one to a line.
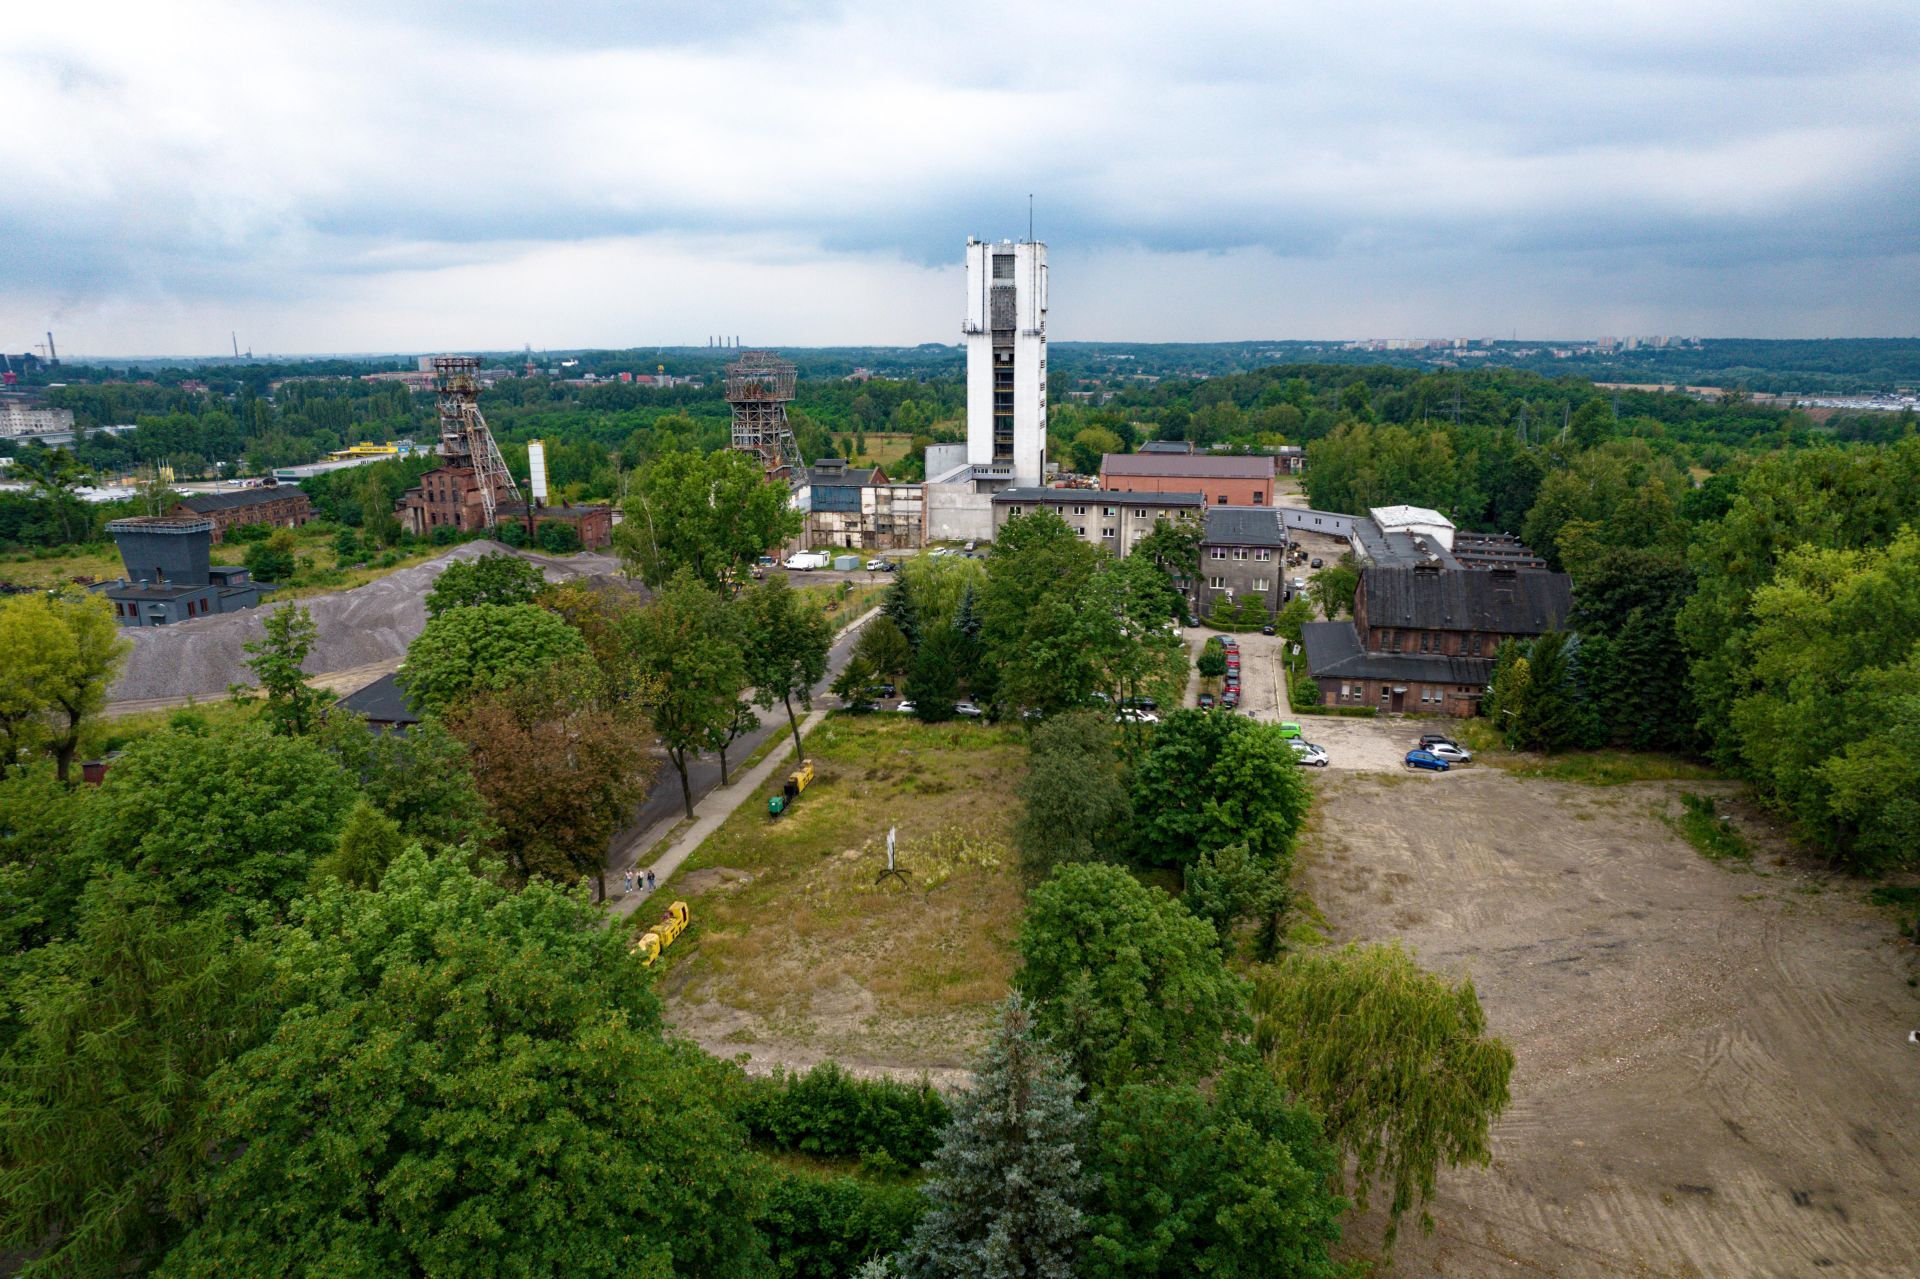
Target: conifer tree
(1008,1185)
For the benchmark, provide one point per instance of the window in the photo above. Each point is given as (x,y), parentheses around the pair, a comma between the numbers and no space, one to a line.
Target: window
(1079,510)
(1262,584)
(1345,690)
(1109,512)
(1222,501)
(1240,552)
(1081,529)
(1262,554)
(1386,639)
(1426,641)
(1257,497)
(1013,510)
(1219,552)
(1473,645)
(1217,583)
(1106,532)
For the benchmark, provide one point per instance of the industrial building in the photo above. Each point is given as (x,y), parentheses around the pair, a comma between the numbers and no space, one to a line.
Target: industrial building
(21,417)
(169,574)
(1115,521)
(467,491)
(859,508)
(279,505)
(1224,480)
(1243,552)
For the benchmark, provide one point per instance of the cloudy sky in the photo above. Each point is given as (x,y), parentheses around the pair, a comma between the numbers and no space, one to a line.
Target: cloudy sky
(423,174)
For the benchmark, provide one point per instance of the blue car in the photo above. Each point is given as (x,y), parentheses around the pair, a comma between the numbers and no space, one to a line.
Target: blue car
(1426,759)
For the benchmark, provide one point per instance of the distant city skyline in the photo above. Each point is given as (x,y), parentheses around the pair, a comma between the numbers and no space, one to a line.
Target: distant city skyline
(363,177)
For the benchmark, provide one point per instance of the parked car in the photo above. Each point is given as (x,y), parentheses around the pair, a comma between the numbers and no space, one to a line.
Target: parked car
(1299,584)
(1206,701)
(967,547)
(1307,754)
(1192,620)
(1451,753)
(1228,641)
(1428,739)
(1289,729)
(967,710)
(1316,562)
(905,708)
(1267,629)
(879,565)
(1427,760)
(765,561)
(1133,715)
(1230,700)
(882,692)
(1142,703)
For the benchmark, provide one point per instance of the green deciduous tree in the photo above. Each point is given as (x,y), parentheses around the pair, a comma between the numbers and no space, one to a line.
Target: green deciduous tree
(222,818)
(1128,983)
(1396,1061)
(1212,662)
(484,647)
(1076,800)
(278,662)
(1174,548)
(854,684)
(462,1071)
(1029,623)
(496,578)
(785,641)
(58,654)
(421,778)
(1334,587)
(1232,1184)
(883,646)
(686,647)
(1227,885)
(708,515)
(1007,1188)
(1211,780)
(271,561)
(102,1098)
(368,843)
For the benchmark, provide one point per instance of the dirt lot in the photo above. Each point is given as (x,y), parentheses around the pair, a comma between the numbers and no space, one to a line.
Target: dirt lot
(1712,1077)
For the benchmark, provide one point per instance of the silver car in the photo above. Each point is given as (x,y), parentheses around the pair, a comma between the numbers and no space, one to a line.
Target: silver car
(1305,753)
(1449,752)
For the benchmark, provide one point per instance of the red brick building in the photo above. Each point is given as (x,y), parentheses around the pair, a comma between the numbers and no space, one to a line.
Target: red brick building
(594,524)
(1220,479)
(1422,638)
(281,505)
(446,497)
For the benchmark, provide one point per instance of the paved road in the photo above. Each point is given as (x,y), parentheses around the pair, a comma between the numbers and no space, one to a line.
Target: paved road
(663,803)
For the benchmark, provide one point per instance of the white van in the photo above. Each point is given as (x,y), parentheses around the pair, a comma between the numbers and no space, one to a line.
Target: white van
(807,561)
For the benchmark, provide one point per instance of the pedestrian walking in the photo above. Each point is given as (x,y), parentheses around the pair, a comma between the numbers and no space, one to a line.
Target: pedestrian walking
(629,879)
(649,879)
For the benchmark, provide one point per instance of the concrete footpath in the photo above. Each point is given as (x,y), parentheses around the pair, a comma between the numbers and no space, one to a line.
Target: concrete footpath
(646,851)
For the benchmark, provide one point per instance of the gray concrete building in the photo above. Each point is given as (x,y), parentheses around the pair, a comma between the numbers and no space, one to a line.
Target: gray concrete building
(1243,553)
(1115,521)
(169,577)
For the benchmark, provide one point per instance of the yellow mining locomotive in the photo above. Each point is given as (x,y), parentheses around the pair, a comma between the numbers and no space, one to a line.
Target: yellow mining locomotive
(661,935)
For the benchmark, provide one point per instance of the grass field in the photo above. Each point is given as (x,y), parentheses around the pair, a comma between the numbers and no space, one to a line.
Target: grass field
(798,953)
(1589,768)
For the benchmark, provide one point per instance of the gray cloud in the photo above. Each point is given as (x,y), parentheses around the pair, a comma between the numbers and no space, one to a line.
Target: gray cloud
(321,172)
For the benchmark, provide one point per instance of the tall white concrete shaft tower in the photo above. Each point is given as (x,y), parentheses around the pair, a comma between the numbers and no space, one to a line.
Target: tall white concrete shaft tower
(1006,333)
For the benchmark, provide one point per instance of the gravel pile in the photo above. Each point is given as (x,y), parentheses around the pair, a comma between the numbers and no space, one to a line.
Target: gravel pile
(372,623)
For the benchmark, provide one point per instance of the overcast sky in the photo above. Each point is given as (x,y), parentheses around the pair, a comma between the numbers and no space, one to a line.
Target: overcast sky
(369,175)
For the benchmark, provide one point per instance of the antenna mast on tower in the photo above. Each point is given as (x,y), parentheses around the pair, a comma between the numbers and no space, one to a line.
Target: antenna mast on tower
(464,437)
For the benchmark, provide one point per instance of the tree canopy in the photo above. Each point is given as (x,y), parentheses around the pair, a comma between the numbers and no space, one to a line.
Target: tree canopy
(710,515)
(495,578)
(484,646)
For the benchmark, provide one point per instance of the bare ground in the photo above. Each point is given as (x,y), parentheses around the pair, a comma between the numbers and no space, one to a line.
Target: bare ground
(1712,1075)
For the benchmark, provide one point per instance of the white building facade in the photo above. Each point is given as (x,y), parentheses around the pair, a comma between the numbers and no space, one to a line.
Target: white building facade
(1006,337)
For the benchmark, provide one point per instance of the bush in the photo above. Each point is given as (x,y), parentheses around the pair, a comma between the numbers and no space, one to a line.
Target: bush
(824,1228)
(249,533)
(445,535)
(828,1112)
(557,539)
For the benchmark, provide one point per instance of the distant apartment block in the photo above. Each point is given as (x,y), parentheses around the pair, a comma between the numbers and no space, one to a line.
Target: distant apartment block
(1115,521)
(23,419)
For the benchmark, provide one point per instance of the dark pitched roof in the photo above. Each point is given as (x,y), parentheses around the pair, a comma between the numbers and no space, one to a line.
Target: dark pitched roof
(1167,446)
(1194,466)
(1094,497)
(382,702)
(1244,526)
(1334,652)
(1504,601)
(205,502)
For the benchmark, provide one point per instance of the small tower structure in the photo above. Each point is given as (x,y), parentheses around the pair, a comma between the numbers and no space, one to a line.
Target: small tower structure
(759,387)
(465,441)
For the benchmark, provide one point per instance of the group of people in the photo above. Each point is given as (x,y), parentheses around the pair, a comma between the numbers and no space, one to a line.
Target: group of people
(643,878)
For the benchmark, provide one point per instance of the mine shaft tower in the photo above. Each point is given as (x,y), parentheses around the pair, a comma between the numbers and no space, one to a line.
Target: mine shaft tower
(465,440)
(759,387)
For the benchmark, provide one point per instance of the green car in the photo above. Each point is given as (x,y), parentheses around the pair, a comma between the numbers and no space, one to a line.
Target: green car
(1289,729)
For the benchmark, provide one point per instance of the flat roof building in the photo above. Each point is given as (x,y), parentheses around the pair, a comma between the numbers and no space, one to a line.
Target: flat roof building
(1230,480)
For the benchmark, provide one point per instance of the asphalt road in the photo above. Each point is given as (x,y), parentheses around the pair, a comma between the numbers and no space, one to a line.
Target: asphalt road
(663,798)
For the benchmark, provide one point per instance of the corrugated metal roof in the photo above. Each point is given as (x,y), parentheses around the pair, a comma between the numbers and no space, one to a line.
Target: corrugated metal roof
(1504,601)
(1244,526)
(1184,466)
(205,502)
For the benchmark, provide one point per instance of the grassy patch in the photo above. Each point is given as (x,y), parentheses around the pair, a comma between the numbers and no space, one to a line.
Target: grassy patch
(1589,768)
(116,732)
(1700,825)
(1904,902)
(68,564)
(799,934)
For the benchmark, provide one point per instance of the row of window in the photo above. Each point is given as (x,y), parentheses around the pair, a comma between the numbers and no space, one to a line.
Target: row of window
(1430,694)
(1260,553)
(1261,585)
(1427,642)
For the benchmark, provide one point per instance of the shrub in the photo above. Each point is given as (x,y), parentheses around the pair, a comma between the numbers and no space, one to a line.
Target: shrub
(557,538)
(828,1112)
(249,533)
(823,1228)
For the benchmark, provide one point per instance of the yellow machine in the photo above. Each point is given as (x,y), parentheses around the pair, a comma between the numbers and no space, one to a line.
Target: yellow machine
(661,935)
